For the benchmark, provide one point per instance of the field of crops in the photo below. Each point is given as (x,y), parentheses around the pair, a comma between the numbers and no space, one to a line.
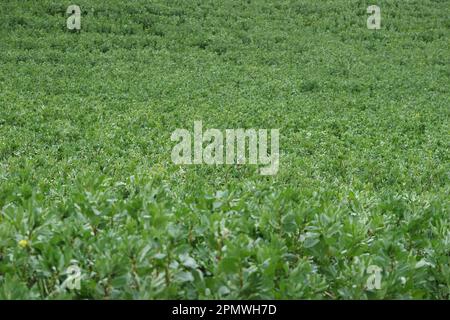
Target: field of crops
(87,180)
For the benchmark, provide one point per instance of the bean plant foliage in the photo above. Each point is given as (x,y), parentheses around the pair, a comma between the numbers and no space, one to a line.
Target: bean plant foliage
(86,177)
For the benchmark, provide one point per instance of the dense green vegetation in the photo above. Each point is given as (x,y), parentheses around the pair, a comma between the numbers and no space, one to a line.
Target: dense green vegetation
(86,176)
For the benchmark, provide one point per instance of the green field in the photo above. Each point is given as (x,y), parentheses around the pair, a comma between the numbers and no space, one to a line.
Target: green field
(86,176)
